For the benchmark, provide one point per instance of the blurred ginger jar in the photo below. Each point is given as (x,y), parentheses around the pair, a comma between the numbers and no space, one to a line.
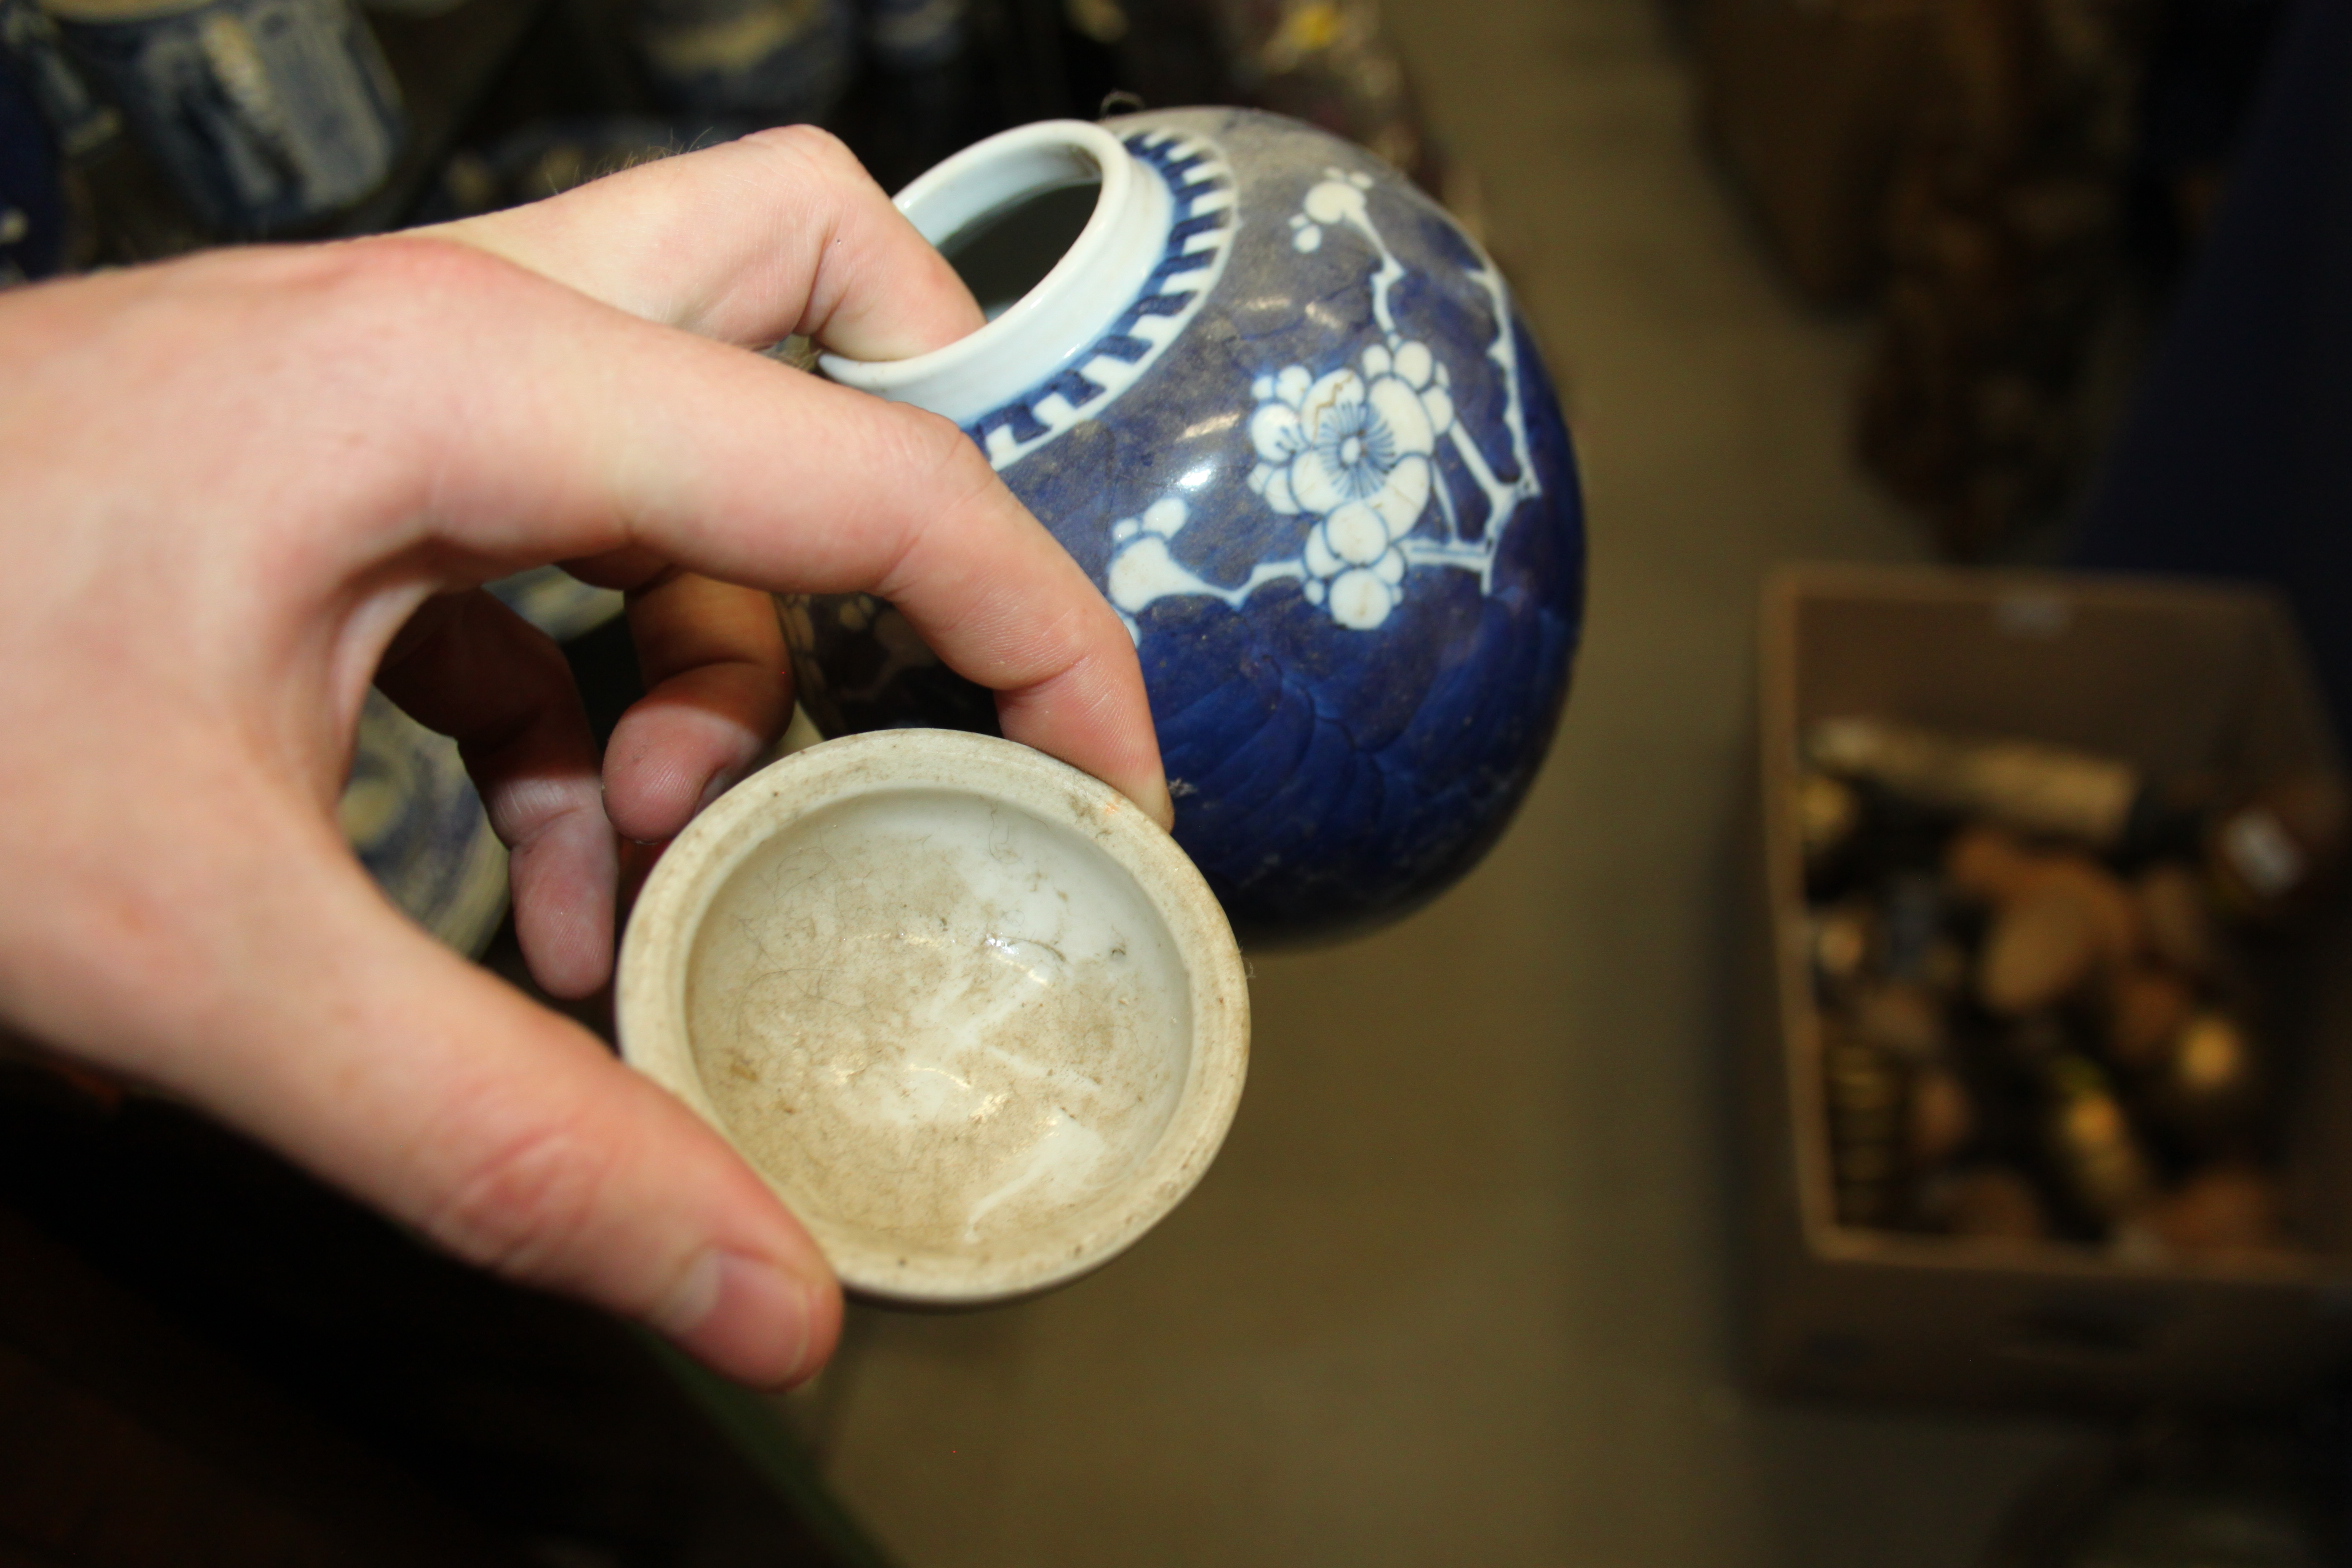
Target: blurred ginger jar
(32,193)
(411,815)
(266,114)
(772,62)
(915,35)
(1282,409)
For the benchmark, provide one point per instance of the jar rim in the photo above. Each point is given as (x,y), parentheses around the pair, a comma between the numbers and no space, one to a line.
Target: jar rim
(1060,313)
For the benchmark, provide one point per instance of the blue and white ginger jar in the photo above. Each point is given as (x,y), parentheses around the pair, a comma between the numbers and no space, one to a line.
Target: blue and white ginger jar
(1283,411)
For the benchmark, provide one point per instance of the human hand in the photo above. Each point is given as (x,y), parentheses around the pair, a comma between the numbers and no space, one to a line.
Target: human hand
(232,487)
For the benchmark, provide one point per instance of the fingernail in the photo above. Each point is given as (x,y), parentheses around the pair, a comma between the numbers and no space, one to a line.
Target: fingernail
(1160,804)
(720,783)
(745,1316)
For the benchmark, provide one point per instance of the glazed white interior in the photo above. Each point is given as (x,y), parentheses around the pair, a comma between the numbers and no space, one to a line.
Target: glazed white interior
(942,1026)
(1104,269)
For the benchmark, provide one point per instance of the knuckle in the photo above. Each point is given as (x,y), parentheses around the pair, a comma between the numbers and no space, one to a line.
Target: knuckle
(525,808)
(935,450)
(525,1205)
(945,476)
(404,267)
(409,293)
(811,147)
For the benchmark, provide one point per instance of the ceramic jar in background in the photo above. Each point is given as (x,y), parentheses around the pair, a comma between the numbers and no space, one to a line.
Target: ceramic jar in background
(410,810)
(915,35)
(772,62)
(49,119)
(79,121)
(32,196)
(266,114)
(411,815)
(1283,411)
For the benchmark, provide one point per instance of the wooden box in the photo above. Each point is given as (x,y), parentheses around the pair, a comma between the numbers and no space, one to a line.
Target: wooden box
(2174,677)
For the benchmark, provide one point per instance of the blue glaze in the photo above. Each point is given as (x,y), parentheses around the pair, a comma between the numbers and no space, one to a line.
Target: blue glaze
(1338,510)
(266,114)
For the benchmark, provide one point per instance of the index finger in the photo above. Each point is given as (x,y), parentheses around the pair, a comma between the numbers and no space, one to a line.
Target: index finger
(750,242)
(603,432)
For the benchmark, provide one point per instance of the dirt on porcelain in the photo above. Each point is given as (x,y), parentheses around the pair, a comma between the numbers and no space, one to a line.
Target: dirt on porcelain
(902,1016)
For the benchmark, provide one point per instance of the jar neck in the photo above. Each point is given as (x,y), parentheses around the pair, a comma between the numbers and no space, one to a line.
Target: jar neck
(1068,309)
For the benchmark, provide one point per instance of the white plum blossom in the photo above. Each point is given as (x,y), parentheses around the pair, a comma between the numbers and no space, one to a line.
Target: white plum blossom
(1142,567)
(1338,198)
(1353,450)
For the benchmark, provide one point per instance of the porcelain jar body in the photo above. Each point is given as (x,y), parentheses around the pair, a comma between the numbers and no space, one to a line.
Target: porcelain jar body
(1311,455)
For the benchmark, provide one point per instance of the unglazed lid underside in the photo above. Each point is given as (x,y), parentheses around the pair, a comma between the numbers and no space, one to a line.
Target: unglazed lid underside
(973,1015)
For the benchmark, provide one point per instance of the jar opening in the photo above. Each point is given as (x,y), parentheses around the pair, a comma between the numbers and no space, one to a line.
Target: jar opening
(1004,254)
(1056,228)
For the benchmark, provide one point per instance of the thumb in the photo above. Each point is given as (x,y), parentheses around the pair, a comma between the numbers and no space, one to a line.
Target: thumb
(326,1024)
(513,1138)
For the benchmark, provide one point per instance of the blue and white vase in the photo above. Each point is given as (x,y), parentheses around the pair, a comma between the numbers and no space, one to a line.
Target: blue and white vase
(266,114)
(1282,409)
(411,815)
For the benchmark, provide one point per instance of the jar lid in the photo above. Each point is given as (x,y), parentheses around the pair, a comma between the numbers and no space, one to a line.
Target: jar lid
(975,1017)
